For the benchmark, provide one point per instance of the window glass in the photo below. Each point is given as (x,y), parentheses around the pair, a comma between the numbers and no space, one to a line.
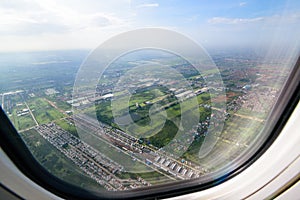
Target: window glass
(119,95)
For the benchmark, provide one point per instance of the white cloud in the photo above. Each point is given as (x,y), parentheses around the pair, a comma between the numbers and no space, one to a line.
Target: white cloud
(291,18)
(242,4)
(147,5)
(280,29)
(45,24)
(224,20)
(52,24)
(46,17)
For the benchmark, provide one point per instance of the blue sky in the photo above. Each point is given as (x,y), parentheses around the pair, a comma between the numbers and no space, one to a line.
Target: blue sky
(72,24)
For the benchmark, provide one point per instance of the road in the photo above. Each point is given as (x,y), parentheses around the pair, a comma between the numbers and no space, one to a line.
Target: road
(243,116)
(31,113)
(249,117)
(54,106)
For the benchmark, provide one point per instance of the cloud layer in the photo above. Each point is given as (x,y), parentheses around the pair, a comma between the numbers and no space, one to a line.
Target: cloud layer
(224,20)
(55,24)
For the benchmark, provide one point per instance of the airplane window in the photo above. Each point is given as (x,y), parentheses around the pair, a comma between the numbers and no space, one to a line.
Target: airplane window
(173,95)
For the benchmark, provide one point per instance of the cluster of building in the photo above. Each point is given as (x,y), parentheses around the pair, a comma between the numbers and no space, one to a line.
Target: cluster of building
(98,166)
(154,158)
(257,99)
(175,168)
(51,91)
(22,112)
(260,99)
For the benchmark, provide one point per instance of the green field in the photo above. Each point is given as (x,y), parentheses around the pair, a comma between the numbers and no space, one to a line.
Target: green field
(60,104)
(67,126)
(248,112)
(21,122)
(241,130)
(151,177)
(193,150)
(238,133)
(103,112)
(163,137)
(43,111)
(157,129)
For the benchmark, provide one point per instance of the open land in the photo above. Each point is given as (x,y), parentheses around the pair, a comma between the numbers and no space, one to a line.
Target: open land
(91,149)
